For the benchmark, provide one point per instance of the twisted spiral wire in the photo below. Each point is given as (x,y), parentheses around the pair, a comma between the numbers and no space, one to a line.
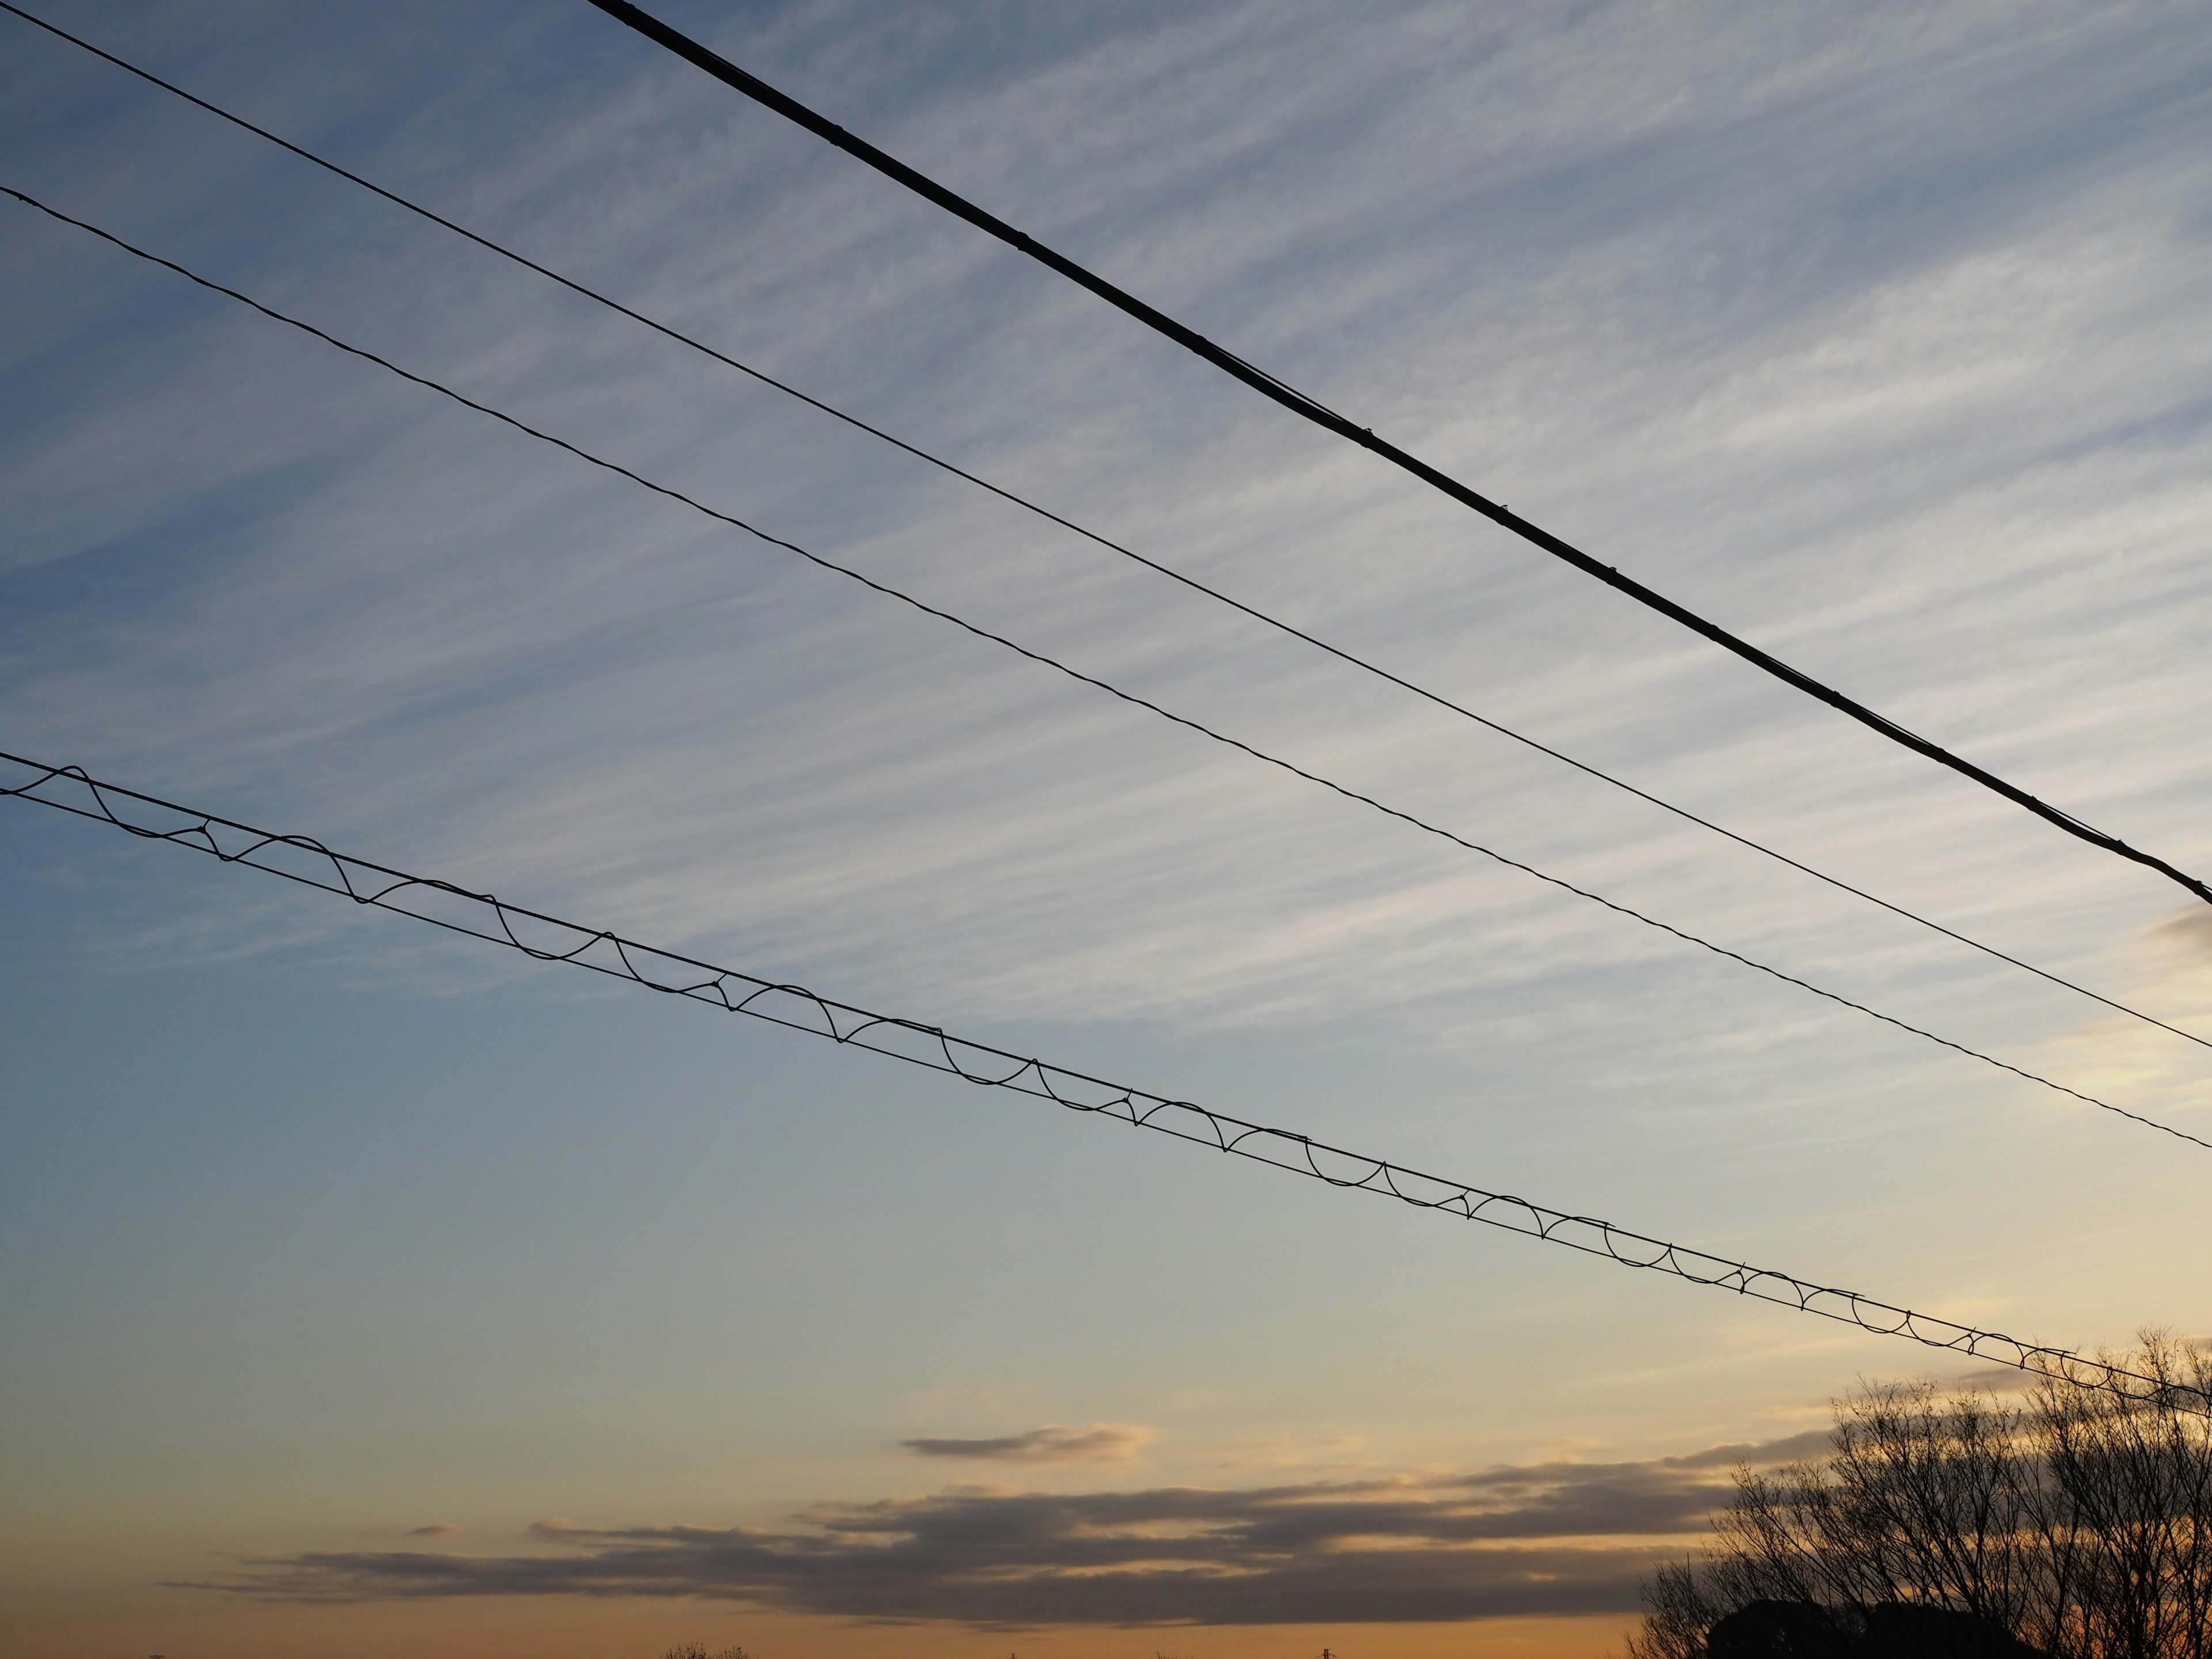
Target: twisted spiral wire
(305,860)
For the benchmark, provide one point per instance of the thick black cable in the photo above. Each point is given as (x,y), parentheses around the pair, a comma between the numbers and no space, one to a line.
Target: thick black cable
(308,862)
(1321,415)
(1046,513)
(1058,666)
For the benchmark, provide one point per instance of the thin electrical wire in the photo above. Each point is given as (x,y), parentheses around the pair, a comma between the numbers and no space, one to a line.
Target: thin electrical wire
(1055,664)
(308,862)
(1321,415)
(1046,513)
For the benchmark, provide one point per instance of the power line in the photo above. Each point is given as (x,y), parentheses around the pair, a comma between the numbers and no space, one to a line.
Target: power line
(306,861)
(1046,513)
(1321,415)
(1055,664)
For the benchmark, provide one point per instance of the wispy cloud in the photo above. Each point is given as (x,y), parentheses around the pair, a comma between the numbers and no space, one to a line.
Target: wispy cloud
(1545,1538)
(1100,1443)
(1882,334)
(2171,964)
(1629,348)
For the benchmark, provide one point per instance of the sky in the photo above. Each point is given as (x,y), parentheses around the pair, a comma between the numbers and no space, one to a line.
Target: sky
(371,1289)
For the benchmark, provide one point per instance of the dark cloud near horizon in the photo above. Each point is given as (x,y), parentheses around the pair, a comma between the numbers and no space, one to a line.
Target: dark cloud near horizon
(1102,1442)
(1514,1540)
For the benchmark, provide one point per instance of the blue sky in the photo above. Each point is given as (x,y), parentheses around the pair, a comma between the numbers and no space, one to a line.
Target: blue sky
(1880,336)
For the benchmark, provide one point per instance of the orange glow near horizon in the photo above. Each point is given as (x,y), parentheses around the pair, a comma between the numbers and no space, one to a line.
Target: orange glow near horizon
(180,1627)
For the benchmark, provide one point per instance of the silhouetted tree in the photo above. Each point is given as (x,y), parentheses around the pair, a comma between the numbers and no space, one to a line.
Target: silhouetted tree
(2076,1522)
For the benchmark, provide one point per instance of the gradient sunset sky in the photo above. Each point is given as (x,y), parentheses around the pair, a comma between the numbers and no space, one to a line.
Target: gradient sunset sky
(369,1290)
